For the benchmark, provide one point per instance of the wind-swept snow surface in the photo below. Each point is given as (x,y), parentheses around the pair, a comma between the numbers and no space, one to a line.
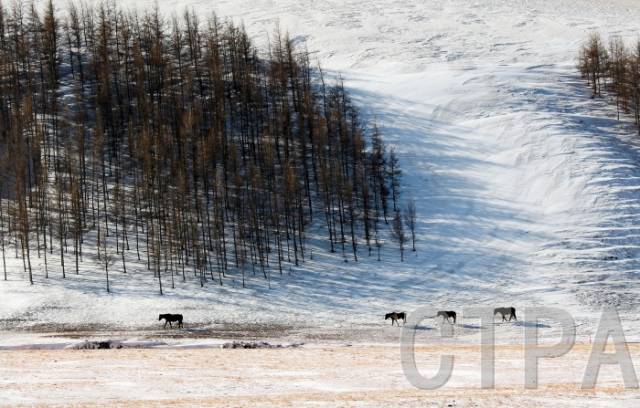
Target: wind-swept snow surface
(358,376)
(526,189)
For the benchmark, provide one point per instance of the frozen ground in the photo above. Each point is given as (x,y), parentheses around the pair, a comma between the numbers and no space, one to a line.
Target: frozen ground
(527,194)
(356,376)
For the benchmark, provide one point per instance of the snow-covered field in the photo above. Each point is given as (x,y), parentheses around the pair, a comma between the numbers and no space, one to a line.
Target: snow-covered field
(358,376)
(527,190)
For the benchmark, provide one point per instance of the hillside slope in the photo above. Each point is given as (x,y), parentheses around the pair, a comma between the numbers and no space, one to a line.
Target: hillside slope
(526,189)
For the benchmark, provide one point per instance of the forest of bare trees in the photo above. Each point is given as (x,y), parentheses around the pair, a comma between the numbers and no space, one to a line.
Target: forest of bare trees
(615,67)
(177,143)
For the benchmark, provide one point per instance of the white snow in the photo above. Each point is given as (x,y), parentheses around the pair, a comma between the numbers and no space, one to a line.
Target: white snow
(358,376)
(527,193)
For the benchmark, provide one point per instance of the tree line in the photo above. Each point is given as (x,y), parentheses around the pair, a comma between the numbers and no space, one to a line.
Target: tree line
(614,67)
(176,142)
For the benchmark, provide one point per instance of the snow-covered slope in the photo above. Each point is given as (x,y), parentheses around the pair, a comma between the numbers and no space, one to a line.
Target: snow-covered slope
(526,189)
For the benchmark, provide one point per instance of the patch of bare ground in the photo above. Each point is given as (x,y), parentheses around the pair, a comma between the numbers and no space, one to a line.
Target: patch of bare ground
(228,331)
(199,331)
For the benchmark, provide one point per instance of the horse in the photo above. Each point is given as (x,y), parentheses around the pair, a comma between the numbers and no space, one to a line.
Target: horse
(504,311)
(168,318)
(395,316)
(446,314)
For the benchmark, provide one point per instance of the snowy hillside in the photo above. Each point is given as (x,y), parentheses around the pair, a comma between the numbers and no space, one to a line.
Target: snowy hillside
(526,189)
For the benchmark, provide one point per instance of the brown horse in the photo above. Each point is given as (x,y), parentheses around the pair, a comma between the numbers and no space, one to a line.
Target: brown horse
(395,316)
(504,311)
(168,318)
(446,314)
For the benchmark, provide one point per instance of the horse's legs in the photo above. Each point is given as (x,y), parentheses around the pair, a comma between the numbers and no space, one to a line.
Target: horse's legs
(165,323)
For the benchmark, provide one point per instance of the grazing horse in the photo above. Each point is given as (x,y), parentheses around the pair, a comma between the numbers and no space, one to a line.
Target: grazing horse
(168,318)
(504,311)
(446,314)
(395,316)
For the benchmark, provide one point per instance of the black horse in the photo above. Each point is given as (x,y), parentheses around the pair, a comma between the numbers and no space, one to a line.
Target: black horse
(504,311)
(168,318)
(446,314)
(395,316)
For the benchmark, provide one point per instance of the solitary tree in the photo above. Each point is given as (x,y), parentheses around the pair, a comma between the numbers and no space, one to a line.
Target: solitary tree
(398,233)
(410,220)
